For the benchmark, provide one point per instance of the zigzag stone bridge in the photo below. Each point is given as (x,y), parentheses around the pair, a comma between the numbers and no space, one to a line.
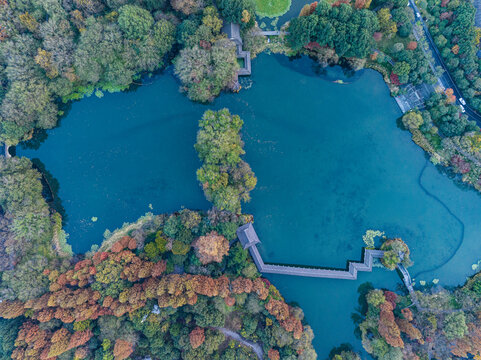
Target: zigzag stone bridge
(249,239)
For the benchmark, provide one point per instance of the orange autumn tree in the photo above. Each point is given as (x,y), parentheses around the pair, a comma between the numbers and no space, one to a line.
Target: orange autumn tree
(387,326)
(273,354)
(470,344)
(72,299)
(11,309)
(412,45)
(122,349)
(35,343)
(450,97)
(360,4)
(196,337)
(211,248)
(3,33)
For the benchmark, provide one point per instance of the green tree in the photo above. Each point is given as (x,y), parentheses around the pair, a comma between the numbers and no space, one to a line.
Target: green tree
(412,120)
(401,68)
(301,30)
(206,72)
(134,21)
(8,334)
(232,11)
(375,298)
(27,104)
(455,325)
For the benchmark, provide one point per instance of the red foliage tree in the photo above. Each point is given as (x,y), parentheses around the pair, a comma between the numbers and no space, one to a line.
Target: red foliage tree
(394,79)
(412,45)
(122,349)
(387,327)
(391,297)
(460,164)
(377,36)
(273,354)
(339,2)
(196,337)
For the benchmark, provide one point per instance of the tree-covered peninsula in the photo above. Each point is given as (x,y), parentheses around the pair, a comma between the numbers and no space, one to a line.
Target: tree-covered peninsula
(171,289)
(434,322)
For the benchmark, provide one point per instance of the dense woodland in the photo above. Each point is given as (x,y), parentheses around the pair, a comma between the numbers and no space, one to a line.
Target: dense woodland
(52,52)
(440,322)
(447,135)
(451,23)
(31,235)
(162,291)
(362,33)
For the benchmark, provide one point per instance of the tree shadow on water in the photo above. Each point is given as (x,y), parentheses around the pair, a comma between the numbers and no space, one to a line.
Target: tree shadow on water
(357,317)
(51,187)
(39,136)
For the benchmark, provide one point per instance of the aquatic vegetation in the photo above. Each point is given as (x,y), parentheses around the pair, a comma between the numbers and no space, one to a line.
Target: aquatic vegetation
(370,236)
(272,8)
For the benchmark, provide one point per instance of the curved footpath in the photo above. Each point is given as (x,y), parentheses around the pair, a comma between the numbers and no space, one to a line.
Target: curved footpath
(254,346)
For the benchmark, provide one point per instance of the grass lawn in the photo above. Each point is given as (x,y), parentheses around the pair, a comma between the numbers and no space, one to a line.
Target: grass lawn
(272,8)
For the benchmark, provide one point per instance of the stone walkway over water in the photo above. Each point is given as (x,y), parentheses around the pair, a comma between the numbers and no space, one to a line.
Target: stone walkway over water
(249,239)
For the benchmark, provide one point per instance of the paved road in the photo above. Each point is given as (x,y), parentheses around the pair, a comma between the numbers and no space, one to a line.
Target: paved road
(446,78)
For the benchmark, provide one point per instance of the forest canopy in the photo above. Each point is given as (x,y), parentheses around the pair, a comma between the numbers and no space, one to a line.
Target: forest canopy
(169,302)
(57,51)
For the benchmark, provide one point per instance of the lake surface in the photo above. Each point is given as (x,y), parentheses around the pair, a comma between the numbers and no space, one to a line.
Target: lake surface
(330,161)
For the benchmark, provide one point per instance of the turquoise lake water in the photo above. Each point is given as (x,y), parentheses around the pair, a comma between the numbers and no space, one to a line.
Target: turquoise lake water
(330,161)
